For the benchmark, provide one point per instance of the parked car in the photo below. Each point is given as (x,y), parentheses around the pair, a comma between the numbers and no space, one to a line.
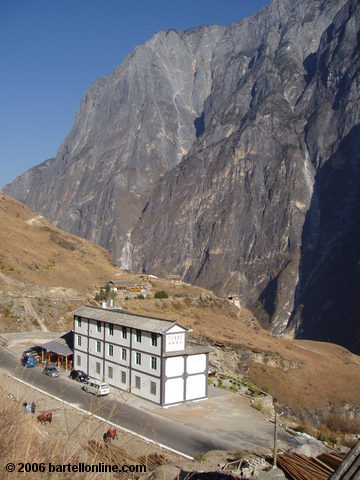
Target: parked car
(79,376)
(36,349)
(51,371)
(28,361)
(97,387)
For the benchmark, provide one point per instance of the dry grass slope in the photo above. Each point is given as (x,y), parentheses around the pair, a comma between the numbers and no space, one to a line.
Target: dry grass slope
(32,250)
(303,375)
(44,272)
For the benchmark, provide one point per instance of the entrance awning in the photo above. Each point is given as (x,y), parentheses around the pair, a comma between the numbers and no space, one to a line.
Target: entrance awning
(58,348)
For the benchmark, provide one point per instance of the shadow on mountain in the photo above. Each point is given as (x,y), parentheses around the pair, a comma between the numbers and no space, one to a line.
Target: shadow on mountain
(328,291)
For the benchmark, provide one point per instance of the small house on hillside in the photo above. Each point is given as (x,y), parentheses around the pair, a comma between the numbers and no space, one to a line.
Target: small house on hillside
(234,298)
(128,288)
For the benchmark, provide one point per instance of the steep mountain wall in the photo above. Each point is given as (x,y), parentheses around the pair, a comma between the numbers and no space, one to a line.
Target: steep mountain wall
(238,148)
(231,215)
(129,129)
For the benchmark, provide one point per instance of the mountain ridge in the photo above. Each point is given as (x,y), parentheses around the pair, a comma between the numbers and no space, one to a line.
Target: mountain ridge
(215,138)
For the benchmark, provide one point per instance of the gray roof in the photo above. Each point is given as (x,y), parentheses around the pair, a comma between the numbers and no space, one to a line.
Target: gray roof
(126,319)
(58,346)
(191,349)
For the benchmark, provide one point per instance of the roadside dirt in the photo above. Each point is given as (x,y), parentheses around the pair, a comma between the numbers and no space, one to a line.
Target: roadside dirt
(71,430)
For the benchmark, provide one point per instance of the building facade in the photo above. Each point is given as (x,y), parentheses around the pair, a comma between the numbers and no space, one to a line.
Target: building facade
(146,356)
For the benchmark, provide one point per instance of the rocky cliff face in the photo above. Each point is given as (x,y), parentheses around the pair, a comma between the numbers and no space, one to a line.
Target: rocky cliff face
(129,129)
(245,209)
(240,146)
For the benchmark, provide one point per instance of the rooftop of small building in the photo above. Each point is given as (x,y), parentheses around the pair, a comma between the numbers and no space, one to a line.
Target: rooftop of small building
(123,318)
(191,349)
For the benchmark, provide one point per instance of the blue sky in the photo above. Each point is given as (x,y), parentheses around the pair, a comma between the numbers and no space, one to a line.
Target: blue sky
(51,51)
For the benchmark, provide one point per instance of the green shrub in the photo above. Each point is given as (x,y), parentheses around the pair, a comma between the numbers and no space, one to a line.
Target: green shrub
(140,296)
(200,457)
(161,294)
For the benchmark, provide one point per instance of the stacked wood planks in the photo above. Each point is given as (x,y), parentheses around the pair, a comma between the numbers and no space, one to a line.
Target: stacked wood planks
(331,459)
(152,460)
(300,467)
(112,454)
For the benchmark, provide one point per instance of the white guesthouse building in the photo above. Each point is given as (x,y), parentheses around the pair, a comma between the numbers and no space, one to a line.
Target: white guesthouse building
(146,356)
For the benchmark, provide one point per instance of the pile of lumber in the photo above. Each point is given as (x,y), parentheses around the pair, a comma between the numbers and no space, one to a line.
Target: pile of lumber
(152,460)
(112,454)
(331,460)
(300,467)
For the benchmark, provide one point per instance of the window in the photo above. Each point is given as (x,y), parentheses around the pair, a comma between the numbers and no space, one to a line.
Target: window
(124,332)
(78,360)
(79,341)
(111,350)
(98,368)
(98,327)
(153,363)
(137,382)
(98,347)
(111,329)
(138,358)
(110,372)
(138,336)
(123,377)
(153,388)
(154,339)
(123,354)
(79,322)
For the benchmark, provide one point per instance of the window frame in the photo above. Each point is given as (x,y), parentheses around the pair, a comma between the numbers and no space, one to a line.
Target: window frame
(152,388)
(153,363)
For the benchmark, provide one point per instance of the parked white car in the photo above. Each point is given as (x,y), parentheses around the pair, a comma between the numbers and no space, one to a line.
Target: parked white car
(97,387)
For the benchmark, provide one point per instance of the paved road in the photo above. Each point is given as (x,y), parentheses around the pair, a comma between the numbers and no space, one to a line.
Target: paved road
(163,430)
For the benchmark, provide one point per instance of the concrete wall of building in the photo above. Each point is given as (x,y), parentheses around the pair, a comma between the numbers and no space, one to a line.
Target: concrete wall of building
(83,361)
(195,364)
(145,386)
(117,337)
(116,381)
(195,386)
(93,331)
(117,353)
(93,347)
(83,328)
(174,366)
(146,342)
(146,363)
(81,342)
(93,373)
(174,390)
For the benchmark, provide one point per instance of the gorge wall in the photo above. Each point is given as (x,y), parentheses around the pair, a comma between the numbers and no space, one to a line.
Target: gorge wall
(229,156)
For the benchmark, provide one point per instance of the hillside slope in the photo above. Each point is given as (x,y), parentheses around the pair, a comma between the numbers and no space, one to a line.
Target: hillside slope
(42,269)
(309,379)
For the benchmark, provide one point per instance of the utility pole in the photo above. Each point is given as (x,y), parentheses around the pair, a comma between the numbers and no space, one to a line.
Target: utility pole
(275,435)
(275,440)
